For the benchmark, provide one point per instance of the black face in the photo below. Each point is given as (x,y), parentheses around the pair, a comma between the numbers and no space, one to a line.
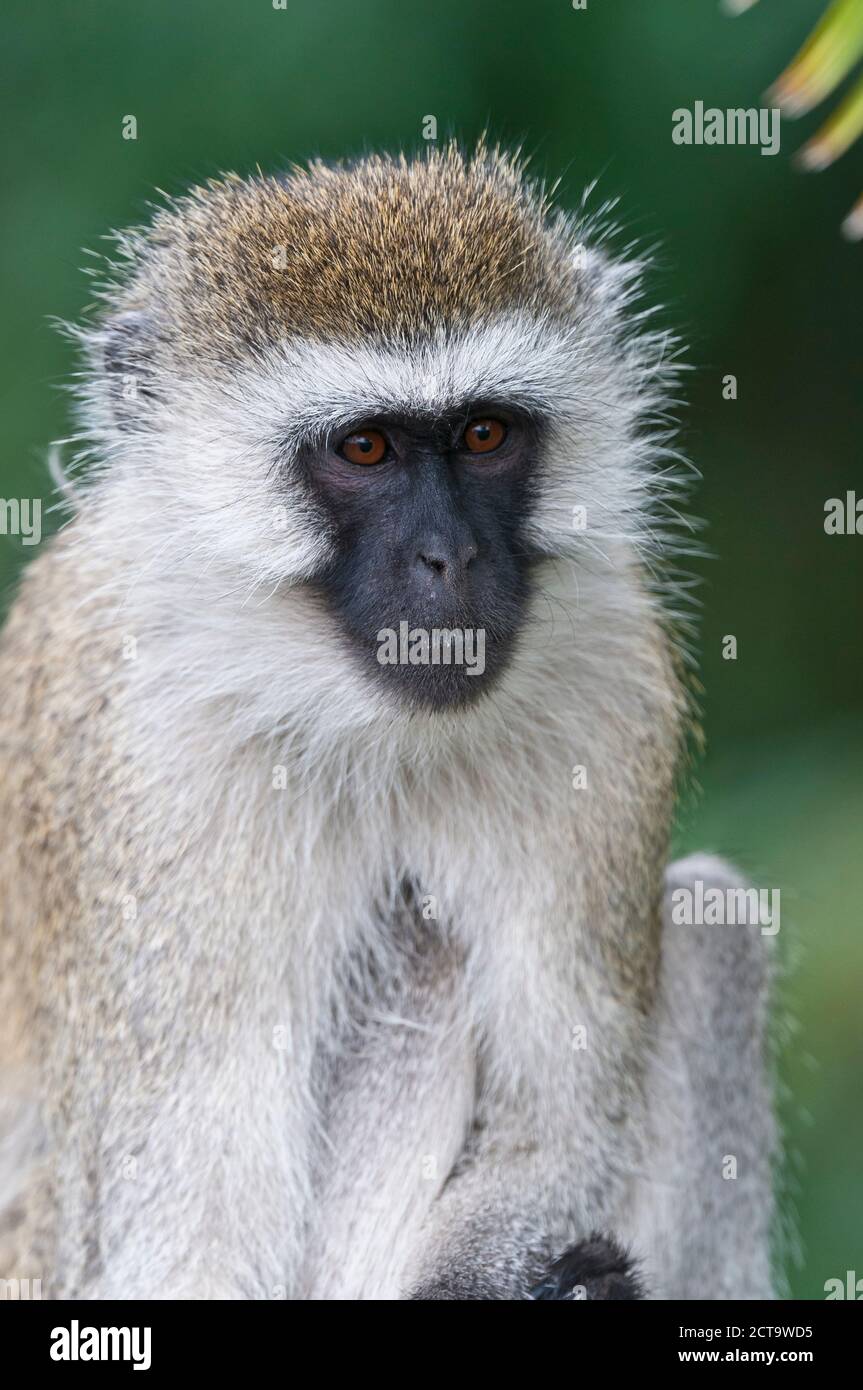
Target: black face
(431,574)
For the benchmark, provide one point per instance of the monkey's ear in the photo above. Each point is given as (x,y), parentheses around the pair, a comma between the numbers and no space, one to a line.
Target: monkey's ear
(126,342)
(602,278)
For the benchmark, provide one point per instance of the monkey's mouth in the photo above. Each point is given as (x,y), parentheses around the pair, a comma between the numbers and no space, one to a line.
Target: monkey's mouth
(441,666)
(433,665)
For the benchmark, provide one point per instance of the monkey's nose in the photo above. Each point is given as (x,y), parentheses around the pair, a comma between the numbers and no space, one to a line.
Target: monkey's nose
(449,560)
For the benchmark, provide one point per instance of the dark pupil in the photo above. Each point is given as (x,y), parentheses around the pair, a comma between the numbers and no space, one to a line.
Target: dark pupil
(364,443)
(482,431)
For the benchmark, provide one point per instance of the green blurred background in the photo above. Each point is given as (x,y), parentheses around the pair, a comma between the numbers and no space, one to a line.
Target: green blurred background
(752,269)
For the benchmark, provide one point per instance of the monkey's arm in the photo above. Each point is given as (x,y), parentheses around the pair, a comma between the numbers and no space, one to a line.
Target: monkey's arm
(553,1146)
(695,1208)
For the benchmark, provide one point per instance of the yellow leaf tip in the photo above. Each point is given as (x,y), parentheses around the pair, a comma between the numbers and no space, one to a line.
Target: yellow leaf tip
(852,227)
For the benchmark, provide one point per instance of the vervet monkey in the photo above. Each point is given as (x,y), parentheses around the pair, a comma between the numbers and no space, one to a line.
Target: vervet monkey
(329,975)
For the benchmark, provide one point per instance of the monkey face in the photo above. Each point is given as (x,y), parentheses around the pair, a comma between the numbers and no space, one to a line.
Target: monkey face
(391,422)
(429,575)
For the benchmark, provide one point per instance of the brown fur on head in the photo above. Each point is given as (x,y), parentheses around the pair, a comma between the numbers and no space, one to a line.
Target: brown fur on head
(386,247)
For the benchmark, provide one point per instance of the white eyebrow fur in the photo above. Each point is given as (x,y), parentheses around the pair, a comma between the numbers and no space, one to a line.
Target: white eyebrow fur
(315,388)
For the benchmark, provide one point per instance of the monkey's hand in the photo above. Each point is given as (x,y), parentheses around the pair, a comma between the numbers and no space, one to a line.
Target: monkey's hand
(596,1268)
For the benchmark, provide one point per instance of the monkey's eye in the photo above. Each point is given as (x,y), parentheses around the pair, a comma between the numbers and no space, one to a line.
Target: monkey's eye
(364,446)
(481,436)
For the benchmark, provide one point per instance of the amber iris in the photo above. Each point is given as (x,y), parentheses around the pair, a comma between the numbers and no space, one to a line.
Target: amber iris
(364,446)
(481,436)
